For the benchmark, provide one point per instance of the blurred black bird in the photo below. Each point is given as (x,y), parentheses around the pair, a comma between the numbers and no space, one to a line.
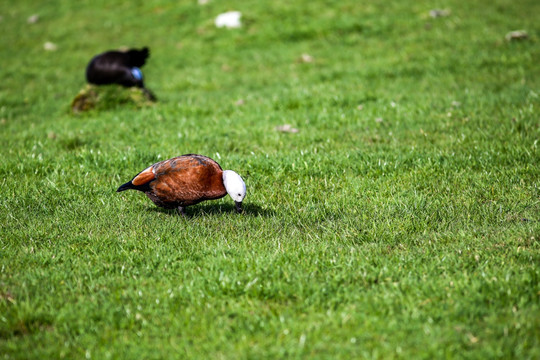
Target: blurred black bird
(119,67)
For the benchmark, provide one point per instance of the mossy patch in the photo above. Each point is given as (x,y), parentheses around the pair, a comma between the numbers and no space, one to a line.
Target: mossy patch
(110,96)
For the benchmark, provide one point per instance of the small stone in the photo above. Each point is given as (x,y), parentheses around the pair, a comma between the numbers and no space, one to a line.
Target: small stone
(203,2)
(305,58)
(229,20)
(49,46)
(516,35)
(240,102)
(473,339)
(33,19)
(436,13)
(287,128)
(379,120)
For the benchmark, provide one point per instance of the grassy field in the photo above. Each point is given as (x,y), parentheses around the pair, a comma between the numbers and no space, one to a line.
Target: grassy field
(400,221)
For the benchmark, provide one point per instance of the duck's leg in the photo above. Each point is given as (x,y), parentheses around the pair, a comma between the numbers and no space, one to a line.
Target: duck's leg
(149,94)
(181,211)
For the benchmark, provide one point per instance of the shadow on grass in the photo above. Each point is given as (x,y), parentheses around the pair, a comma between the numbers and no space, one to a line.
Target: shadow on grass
(250,209)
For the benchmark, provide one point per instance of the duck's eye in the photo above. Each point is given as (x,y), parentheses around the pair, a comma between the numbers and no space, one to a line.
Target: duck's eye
(239,194)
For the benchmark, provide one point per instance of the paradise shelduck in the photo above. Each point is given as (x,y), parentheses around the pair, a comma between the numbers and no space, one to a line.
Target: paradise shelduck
(187,180)
(119,67)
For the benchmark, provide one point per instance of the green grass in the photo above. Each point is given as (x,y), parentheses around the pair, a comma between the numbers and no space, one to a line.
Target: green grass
(401,221)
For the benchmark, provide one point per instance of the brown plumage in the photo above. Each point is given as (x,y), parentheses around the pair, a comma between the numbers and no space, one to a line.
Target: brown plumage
(181,181)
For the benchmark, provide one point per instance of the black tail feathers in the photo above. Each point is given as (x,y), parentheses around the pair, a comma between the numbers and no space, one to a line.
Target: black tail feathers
(126,186)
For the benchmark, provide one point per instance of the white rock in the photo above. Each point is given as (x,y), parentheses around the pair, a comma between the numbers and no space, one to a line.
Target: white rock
(230,20)
(435,13)
(49,46)
(287,128)
(33,19)
(516,35)
(306,58)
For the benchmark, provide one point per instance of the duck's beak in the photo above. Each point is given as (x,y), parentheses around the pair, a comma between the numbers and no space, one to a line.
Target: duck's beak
(238,207)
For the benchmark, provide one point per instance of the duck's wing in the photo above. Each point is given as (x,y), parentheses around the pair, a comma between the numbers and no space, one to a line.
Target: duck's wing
(188,178)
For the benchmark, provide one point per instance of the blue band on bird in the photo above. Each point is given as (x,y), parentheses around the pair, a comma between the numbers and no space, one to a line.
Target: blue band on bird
(137,73)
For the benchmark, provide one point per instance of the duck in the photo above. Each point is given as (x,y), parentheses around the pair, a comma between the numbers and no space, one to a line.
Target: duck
(187,180)
(119,67)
